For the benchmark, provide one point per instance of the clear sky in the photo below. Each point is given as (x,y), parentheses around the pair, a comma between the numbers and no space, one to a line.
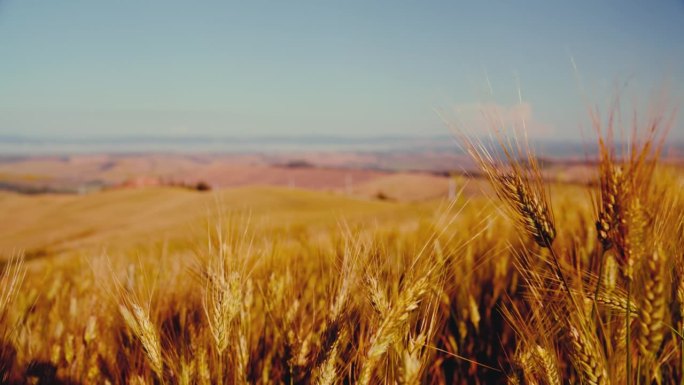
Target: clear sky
(347,68)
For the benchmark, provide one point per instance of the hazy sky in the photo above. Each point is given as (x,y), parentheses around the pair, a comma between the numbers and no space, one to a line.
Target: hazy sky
(112,68)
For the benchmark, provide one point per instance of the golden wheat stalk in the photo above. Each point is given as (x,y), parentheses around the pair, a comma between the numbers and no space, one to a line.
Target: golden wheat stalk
(378,297)
(533,210)
(679,296)
(609,204)
(222,305)
(327,372)
(614,301)
(586,357)
(538,365)
(138,322)
(11,279)
(520,185)
(547,361)
(409,373)
(391,326)
(610,180)
(653,307)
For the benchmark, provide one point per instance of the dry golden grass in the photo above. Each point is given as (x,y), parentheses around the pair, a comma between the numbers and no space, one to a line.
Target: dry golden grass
(559,284)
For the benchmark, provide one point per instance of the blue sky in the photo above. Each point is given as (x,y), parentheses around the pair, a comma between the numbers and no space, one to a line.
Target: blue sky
(347,68)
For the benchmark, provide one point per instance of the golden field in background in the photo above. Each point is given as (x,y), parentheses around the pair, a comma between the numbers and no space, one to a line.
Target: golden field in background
(129,218)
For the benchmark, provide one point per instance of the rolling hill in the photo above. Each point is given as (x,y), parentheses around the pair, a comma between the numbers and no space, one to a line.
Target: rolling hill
(55,224)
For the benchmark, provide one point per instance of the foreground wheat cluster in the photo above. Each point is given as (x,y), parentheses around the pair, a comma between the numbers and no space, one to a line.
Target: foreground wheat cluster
(571,290)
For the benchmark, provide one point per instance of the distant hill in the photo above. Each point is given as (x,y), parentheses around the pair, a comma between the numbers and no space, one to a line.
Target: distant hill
(12,145)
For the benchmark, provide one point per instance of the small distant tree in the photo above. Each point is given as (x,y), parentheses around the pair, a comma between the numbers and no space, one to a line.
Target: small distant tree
(298,163)
(382,196)
(202,186)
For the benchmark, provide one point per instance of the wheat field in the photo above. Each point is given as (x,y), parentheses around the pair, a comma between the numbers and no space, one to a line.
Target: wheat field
(534,283)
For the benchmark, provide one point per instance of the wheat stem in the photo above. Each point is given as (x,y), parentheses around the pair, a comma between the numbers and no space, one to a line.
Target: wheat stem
(681,357)
(628,345)
(559,272)
(601,255)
